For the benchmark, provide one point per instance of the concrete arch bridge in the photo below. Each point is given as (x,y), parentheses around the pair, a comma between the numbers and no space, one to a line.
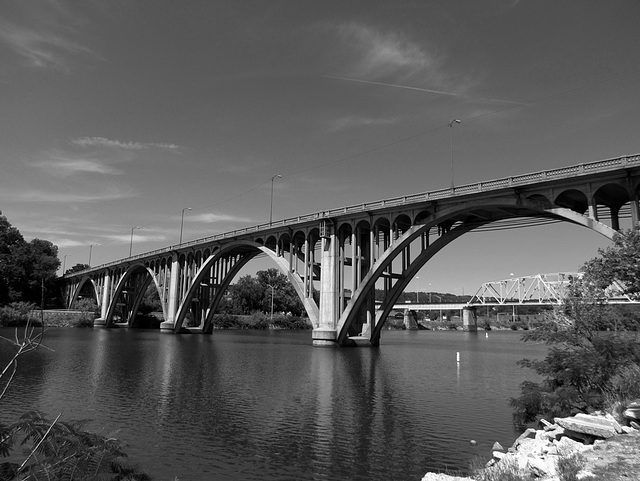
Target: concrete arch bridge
(336,259)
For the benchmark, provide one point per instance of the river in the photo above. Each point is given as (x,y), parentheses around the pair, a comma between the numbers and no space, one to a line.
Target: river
(266,405)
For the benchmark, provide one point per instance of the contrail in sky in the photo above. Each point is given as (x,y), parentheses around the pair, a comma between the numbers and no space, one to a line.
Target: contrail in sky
(439,92)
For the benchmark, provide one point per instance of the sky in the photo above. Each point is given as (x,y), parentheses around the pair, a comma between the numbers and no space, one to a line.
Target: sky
(120,114)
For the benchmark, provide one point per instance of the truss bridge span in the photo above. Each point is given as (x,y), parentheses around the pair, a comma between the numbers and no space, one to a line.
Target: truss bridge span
(337,259)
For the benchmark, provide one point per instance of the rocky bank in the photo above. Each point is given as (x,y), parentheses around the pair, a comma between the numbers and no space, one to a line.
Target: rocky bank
(596,446)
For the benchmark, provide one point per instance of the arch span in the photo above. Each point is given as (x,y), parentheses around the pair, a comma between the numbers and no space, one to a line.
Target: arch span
(241,252)
(128,294)
(451,224)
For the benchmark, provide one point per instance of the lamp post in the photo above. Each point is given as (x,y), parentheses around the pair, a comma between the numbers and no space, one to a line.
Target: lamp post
(272,290)
(131,241)
(417,289)
(64,262)
(454,121)
(182,223)
(90,250)
(271,205)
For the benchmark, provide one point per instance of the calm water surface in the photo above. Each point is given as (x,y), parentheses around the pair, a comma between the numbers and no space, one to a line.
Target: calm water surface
(252,405)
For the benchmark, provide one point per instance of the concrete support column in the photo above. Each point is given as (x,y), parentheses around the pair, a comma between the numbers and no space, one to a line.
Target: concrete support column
(469,319)
(593,209)
(308,269)
(355,261)
(174,302)
(410,322)
(325,334)
(106,300)
(615,219)
(635,210)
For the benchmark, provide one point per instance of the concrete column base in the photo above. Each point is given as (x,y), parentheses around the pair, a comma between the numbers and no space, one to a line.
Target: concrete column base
(99,322)
(167,326)
(469,319)
(324,337)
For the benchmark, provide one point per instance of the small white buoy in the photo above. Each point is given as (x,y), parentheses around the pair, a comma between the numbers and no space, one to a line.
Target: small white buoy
(457,356)
(486,334)
(473,442)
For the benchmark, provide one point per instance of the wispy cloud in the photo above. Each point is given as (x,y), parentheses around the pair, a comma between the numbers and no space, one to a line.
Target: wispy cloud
(210,218)
(117,144)
(111,193)
(353,121)
(41,48)
(381,54)
(139,237)
(60,166)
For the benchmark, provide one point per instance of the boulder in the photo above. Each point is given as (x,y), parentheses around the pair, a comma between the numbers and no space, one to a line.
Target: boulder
(530,432)
(533,447)
(444,477)
(591,425)
(547,426)
(542,467)
(632,413)
(567,446)
(616,425)
(497,447)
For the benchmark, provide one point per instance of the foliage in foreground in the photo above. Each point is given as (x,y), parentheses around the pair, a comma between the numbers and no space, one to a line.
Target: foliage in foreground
(64,450)
(505,470)
(16,314)
(55,450)
(582,369)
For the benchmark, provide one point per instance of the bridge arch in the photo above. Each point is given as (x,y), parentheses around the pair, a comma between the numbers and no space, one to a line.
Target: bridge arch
(75,294)
(451,223)
(241,252)
(128,294)
(573,199)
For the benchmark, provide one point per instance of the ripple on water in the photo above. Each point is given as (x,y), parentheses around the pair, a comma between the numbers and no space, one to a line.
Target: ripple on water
(269,406)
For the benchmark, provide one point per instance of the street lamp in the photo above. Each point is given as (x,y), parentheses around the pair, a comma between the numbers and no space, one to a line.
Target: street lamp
(90,249)
(417,289)
(131,241)
(182,223)
(272,290)
(454,121)
(271,205)
(64,262)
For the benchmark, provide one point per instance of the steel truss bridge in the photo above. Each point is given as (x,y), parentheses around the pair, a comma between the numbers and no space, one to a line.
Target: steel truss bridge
(540,289)
(357,249)
(534,290)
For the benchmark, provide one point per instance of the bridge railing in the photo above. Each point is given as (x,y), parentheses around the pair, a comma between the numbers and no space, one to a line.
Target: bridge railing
(478,187)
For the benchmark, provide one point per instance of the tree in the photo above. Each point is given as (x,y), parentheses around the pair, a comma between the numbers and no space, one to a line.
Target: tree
(246,295)
(25,267)
(276,286)
(77,268)
(582,360)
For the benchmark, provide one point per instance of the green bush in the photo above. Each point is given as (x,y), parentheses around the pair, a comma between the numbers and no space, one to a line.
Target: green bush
(17,314)
(568,467)
(89,309)
(227,321)
(623,388)
(281,321)
(69,452)
(505,470)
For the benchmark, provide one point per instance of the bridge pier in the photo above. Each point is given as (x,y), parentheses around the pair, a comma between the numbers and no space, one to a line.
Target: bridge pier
(326,334)
(469,319)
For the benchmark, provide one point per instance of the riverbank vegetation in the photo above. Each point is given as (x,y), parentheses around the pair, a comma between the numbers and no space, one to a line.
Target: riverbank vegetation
(38,448)
(593,360)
